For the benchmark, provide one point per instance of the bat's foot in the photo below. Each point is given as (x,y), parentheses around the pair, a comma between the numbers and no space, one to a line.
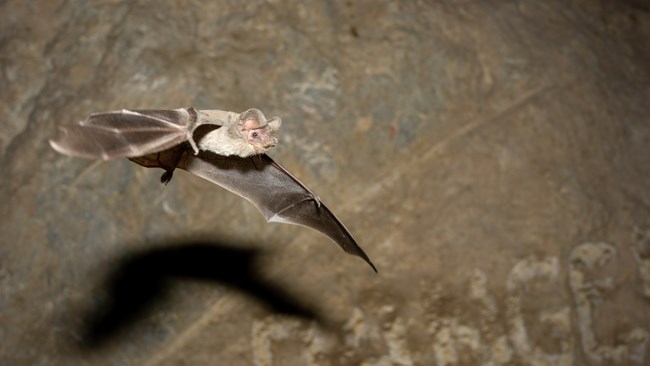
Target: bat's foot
(167,176)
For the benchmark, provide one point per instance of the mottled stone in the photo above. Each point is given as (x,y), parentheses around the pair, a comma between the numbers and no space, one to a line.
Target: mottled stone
(491,157)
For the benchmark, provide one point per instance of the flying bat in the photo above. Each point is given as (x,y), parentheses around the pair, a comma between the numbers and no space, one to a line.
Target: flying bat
(225,148)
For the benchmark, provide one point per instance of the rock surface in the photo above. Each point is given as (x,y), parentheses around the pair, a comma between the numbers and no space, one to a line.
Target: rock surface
(492,158)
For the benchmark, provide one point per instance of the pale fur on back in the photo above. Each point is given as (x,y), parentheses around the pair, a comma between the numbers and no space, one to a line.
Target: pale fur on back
(220,141)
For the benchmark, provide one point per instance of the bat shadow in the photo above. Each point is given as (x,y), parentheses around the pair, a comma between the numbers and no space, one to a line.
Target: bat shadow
(141,280)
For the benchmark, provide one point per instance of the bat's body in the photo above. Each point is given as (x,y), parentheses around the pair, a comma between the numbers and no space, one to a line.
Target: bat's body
(225,148)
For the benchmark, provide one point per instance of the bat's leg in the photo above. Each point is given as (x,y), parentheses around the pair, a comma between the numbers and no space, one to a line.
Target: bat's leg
(166,177)
(167,160)
(154,161)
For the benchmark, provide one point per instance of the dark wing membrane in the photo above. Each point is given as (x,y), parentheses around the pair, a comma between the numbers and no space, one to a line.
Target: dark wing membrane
(278,195)
(125,133)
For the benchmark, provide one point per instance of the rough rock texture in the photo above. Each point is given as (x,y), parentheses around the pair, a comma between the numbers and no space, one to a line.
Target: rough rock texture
(492,157)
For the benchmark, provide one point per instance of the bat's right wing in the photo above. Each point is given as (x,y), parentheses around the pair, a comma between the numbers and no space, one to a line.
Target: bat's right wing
(129,133)
(278,195)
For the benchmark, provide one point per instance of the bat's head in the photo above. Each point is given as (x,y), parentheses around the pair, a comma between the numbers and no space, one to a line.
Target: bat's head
(259,132)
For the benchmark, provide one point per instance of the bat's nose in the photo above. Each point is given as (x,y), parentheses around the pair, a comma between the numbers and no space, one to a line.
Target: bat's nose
(272,143)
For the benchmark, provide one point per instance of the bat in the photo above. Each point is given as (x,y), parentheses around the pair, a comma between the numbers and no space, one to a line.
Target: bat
(225,148)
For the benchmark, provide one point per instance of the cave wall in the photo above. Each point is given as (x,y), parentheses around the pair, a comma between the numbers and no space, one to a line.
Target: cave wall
(492,158)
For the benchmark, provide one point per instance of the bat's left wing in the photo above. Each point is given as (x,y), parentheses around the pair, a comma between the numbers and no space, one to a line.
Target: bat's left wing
(132,133)
(278,195)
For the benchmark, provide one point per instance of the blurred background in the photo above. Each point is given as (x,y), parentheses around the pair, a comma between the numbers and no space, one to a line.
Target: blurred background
(491,157)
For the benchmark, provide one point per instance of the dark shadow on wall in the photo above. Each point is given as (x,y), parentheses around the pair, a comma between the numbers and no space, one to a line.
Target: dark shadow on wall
(142,280)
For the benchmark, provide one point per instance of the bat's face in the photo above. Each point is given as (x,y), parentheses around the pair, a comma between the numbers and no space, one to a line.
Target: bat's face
(261,138)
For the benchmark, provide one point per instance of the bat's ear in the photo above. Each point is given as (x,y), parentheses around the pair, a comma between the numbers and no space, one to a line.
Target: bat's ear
(252,118)
(274,123)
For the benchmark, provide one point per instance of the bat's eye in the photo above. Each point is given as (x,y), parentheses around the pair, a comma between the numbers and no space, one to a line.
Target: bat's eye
(254,134)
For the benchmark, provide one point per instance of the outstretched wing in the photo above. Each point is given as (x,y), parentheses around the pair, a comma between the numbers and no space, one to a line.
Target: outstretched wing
(278,195)
(127,133)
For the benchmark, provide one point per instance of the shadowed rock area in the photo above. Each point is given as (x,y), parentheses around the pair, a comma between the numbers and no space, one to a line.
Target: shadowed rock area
(491,157)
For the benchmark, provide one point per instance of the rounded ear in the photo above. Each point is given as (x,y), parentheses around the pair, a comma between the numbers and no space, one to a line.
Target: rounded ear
(274,123)
(254,118)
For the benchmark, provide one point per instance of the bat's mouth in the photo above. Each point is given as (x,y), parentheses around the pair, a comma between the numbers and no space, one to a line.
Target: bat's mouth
(268,145)
(272,143)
